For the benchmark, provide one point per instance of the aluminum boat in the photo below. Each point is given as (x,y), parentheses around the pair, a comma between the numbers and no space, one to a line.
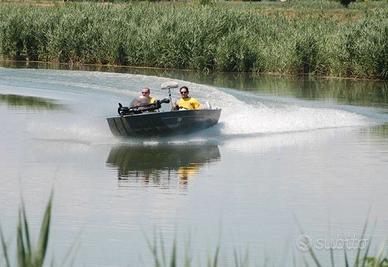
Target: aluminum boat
(147,120)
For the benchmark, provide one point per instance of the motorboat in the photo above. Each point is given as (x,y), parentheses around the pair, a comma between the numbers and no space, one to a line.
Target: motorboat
(147,120)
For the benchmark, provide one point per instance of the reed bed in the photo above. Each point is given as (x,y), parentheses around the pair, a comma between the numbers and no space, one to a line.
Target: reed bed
(301,37)
(27,254)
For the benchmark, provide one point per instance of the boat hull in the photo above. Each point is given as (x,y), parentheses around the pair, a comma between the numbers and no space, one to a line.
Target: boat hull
(163,123)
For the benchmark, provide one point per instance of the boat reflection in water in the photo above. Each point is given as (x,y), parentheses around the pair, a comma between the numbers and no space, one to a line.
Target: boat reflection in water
(164,166)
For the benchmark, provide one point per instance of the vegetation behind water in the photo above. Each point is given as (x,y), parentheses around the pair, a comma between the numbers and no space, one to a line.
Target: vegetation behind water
(298,37)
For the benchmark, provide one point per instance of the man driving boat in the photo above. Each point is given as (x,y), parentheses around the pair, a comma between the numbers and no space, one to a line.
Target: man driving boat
(146,92)
(186,102)
(144,99)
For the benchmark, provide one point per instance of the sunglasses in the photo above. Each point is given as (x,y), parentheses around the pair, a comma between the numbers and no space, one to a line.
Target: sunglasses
(184,92)
(145,92)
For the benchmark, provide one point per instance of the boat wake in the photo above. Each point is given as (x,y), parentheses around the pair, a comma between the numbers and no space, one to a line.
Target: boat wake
(260,116)
(285,119)
(91,97)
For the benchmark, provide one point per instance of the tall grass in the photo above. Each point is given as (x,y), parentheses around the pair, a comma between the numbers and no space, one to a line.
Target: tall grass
(28,254)
(296,38)
(361,259)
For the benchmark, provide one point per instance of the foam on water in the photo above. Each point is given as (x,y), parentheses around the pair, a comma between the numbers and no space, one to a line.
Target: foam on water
(93,96)
(287,119)
(263,116)
(72,133)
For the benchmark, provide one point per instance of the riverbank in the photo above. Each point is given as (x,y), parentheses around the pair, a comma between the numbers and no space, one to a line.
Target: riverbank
(295,38)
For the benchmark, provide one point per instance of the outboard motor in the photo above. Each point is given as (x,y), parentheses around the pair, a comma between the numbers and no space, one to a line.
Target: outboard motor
(164,101)
(122,110)
(142,108)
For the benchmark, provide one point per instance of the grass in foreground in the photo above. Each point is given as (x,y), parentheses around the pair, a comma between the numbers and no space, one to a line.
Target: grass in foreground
(34,255)
(27,253)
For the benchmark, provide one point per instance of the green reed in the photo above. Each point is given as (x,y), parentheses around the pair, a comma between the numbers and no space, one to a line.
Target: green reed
(163,257)
(33,255)
(361,259)
(28,254)
(319,38)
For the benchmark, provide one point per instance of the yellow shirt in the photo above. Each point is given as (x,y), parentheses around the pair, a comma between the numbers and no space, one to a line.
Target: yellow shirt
(189,103)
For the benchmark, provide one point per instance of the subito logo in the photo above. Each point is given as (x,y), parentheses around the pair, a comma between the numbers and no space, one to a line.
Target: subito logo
(303,243)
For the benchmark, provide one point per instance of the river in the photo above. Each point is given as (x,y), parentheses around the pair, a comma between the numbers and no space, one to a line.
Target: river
(286,152)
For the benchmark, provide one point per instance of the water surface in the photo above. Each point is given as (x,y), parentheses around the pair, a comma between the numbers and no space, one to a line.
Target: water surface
(285,150)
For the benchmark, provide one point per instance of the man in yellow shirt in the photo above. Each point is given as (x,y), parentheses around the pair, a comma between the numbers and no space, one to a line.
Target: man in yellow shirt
(143,100)
(186,102)
(146,92)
